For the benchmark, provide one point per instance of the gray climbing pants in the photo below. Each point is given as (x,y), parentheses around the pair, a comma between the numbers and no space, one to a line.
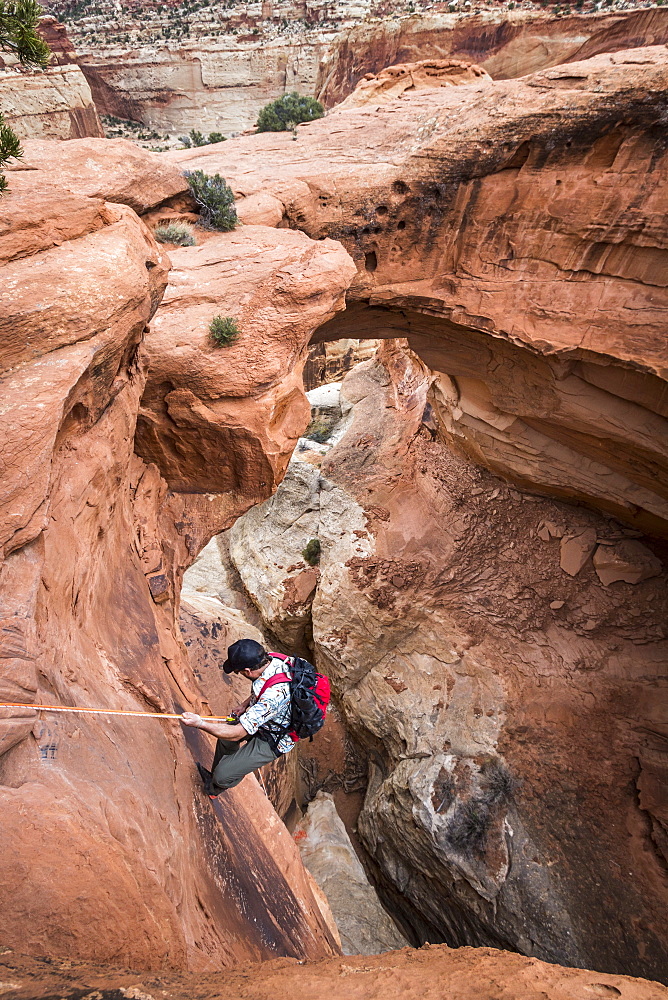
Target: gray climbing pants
(233,761)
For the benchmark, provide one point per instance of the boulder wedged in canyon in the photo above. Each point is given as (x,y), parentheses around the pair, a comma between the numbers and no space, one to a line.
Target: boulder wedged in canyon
(506,44)
(508,697)
(393,81)
(266,547)
(327,852)
(515,233)
(110,850)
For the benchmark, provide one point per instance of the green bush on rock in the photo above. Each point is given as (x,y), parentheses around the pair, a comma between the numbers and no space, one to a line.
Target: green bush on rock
(178,233)
(195,138)
(311,552)
(215,199)
(283,114)
(224,330)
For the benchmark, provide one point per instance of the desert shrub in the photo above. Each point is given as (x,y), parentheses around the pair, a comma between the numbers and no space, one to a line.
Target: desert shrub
(215,199)
(311,552)
(467,830)
(224,330)
(195,138)
(318,430)
(498,783)
(179,233)
(287,111)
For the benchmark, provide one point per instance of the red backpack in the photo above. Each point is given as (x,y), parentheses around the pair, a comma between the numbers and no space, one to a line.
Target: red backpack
(309,697)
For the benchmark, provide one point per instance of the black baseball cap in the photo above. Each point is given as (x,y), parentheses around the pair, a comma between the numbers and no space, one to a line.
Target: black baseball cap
(244,654)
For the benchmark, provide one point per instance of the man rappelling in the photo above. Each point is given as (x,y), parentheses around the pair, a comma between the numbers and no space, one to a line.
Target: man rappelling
(287,702)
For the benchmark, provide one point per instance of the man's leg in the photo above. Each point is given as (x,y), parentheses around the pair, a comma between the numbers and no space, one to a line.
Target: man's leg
(232,765)
(223,748)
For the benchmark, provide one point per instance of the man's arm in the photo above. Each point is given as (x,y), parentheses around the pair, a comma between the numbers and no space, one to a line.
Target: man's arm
(220,729)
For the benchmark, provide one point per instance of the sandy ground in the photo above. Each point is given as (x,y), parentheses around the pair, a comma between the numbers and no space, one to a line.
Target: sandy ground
(434,972)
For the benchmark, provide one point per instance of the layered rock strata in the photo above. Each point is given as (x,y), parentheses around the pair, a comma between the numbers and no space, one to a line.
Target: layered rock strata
(55,103)
(515,234)
(506,44)
(110,850)
(215,67)
(484,663)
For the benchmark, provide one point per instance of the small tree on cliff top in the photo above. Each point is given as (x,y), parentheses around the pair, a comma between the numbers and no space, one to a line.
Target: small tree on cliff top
(18,34)
(215,199)
(286,112)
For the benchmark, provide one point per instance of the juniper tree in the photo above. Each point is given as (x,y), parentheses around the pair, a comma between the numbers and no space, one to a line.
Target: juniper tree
(284,113)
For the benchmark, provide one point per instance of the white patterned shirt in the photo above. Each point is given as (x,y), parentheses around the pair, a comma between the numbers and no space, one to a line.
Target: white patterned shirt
(272,710)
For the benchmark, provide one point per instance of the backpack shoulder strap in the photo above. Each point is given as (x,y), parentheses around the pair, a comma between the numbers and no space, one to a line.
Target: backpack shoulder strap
(276,679)
(280,656)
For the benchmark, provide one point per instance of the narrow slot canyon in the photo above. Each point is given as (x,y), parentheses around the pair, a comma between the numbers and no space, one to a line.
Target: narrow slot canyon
(431,459)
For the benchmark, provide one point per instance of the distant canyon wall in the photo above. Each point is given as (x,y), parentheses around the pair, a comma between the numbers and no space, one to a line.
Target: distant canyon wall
(507,44)
(55,103)
(217,74)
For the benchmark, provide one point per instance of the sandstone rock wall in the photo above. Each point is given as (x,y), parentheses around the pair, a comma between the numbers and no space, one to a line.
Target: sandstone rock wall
(110,850)
(505,43)
(515,233)
(210,84)
(483,662)
(55,103)
(488,644)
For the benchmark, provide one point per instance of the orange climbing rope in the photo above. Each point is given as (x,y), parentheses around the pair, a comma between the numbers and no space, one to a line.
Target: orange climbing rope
(106,711)
(116,711)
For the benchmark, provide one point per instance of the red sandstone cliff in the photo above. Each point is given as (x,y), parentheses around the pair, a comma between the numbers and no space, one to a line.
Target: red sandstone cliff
(512,234)
(110,850)
(515,234)
(505,43)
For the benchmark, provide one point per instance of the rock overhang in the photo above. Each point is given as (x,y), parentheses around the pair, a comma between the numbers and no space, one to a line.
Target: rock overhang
(525,217)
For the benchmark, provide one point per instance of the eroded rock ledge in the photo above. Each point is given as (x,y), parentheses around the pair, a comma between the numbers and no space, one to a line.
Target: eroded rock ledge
(515,233)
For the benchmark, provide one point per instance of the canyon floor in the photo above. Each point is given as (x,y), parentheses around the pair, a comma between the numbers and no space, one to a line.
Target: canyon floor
(433,972)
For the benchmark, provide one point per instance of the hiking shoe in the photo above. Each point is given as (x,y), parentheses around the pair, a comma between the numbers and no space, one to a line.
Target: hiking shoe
(207,778)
